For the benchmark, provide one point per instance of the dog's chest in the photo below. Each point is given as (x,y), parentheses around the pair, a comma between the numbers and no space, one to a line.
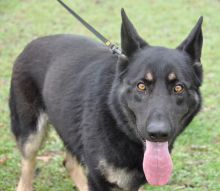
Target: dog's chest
(123,178)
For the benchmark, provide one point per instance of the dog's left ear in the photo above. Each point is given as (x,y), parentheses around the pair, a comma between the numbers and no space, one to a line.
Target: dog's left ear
(130,40)
(192,45)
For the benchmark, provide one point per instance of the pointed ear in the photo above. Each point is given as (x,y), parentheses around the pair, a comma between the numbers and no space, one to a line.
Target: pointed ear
(193,43)
(130,40)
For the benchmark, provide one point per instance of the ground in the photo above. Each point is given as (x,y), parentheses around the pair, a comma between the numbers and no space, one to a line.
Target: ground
(196,155)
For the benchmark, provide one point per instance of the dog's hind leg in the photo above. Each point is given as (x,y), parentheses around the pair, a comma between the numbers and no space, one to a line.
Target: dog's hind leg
(76,172)
(28,124)
(29,151)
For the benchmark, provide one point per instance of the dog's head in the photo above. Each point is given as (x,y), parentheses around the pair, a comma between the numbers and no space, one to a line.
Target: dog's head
(157,88)
(156,94)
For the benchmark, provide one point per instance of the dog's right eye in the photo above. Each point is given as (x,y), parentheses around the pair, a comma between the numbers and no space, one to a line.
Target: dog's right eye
(141,86)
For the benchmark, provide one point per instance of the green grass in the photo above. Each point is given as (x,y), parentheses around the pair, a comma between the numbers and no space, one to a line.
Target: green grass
(197,152)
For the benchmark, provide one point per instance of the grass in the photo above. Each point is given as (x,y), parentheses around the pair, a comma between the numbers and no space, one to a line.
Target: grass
(197,151)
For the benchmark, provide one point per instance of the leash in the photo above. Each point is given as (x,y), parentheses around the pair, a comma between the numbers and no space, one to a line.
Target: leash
(115,49)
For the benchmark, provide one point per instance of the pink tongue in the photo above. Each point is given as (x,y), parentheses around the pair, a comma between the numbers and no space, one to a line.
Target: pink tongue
(157,163)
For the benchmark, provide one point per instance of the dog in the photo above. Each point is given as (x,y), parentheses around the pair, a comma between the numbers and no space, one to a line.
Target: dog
(117,115)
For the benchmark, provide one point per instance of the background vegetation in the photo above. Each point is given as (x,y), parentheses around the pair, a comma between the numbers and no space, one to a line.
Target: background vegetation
(197,152)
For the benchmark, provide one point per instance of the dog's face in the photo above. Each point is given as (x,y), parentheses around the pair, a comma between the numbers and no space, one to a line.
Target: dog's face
(158,88)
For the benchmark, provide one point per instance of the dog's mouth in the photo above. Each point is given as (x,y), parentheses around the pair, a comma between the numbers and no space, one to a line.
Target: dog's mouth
(157,163)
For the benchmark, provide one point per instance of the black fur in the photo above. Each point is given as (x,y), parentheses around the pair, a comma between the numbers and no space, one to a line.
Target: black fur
(91,96)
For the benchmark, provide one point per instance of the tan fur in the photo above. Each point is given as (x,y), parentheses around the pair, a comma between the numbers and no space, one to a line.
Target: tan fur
(149,76)
(27,175)
(76,172)
(119,176)
(141,189)
(172,76)
(29,151)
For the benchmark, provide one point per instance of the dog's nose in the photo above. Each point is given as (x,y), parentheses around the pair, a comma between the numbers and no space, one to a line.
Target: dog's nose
(158,131)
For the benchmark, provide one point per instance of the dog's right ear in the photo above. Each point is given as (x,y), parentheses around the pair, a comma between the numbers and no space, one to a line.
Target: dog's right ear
(130,40)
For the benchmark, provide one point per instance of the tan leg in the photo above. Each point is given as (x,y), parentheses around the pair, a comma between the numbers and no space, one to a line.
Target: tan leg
(29,151)
(76,172)
(27,175)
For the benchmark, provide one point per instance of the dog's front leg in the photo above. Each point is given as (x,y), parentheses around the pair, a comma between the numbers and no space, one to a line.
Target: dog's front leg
(76,172)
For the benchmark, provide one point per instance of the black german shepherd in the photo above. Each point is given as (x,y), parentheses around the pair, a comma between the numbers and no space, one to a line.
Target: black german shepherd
(118,116)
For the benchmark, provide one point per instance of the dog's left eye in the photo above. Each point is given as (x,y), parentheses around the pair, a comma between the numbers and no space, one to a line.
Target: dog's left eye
(141,86)
(179,88)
